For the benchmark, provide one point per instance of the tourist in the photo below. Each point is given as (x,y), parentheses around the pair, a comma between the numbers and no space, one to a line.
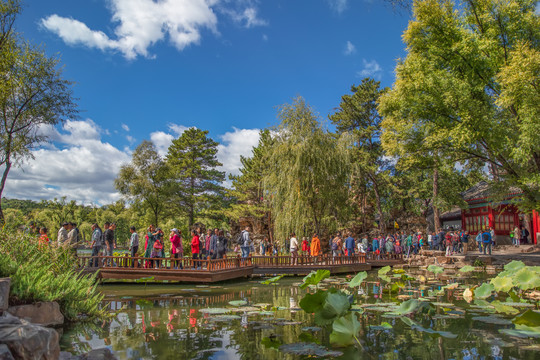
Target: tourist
(389,245)
(195,246)
(336,245)
(212,249)
(43,238)
(430,241)
(524,235)
(97,243)
(315,245)
(157,251)
(293,243)
(263,245)
(382,244)
(409,244)
(349,245)
(133,244)
(448,243)
(486,241)
(479,241)
(205,244)
(246,242)
(492,232)
(456,239)
(73,237)
(517,236)
(375,246)
(221,245)
(177,248)
(465,242)
(442,240)
(63,234)
(305,246)
(149,246)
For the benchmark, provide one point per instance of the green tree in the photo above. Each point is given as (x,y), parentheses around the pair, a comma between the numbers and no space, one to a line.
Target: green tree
(33,94)
(197,181)
(247,187)
(307,174)
(146,179)
(468,89)
(358,115)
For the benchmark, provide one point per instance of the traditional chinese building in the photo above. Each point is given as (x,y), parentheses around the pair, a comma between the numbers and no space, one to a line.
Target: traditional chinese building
(502,216)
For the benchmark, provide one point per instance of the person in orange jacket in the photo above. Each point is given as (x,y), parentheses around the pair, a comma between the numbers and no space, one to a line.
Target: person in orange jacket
(315,245)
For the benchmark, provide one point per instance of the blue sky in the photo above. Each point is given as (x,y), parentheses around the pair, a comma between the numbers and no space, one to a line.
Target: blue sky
(148,70)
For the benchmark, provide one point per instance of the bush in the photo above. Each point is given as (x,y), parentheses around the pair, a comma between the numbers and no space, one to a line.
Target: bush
(47,273)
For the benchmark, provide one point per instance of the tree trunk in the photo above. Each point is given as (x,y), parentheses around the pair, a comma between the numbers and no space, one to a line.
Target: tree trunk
(382,223)
(436,215)
(2,185)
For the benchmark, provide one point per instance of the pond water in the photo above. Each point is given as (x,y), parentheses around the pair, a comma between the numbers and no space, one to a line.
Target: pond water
(249,320)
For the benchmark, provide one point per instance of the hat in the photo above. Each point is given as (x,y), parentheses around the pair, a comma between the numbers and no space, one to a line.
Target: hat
(174,229)
(65,223)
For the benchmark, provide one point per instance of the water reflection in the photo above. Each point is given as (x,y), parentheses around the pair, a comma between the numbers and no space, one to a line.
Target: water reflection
(172,322)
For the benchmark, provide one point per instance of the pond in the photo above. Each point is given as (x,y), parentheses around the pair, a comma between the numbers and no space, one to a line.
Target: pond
(250,320)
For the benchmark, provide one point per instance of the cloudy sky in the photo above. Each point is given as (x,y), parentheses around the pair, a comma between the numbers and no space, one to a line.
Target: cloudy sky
(149,69)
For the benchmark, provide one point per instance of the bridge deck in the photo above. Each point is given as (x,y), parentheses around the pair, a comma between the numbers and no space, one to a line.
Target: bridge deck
(210,271)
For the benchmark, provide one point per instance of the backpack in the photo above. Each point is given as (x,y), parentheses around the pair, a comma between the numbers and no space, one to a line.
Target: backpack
(485,237)
(158,245)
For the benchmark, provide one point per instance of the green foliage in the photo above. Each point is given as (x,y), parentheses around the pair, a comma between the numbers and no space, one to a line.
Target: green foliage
(466,269)
(483,291)
(47,273)
(435,269)
(273,280)
(314,278)
(358,279)
(197,182)
(345,329)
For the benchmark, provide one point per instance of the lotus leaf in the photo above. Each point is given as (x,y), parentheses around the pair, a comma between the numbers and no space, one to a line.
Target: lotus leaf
(445,334)
(518,304)
(526,279)
(467,268)
(406,277)
(407,307)
(451,286)
(522,331)
(238,302)
(308,349)
(514,265)
(215,311)
(504,308)
(335,305)
(502,283)
(528,318)
(272,280)
(271,343)
(408,321)
(311,303)
(311,328)
(225,317)
(384,270)
(345,329)
(483,291)
(435,269)
(385,278)
(492,320)
(314,278)
(358,279)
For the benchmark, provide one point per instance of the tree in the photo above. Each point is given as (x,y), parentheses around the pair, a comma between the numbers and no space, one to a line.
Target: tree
(146,179)
(33,94)
(247,187)
(468,89)
(307,174)
(357,114)
(197,182)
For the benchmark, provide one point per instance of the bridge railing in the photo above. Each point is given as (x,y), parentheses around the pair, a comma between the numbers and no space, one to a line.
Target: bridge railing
(306,260)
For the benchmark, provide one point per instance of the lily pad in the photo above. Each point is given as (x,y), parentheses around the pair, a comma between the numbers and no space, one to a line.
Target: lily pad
(522,331)
(467,268)
(502,283)
(483,291)
(384,326)
(407,307)
(435,269)
(238,302)
(514,265)
(314,278)
(384,270)
(358,279)
(526,279)
(345,329)
(272,280)
(308,349)
(529,318)
(504,308)
(492,320)
(225,318)
(215,311)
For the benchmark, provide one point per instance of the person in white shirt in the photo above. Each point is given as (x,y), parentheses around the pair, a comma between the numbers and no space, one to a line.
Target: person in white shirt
(294,249)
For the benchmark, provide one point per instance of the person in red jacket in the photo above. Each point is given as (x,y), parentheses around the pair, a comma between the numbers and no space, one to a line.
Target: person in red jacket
(195,246)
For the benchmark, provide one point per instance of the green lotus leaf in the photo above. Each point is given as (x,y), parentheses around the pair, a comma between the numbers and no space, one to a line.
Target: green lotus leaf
(358,279)
(528,318)
(314,278)
(407,307)
(335,305)
(309,349)
(514,265)
(483,291)
(384,270)
(504,308)
(398,271)
(345,329)
(492,320)
(502,283)
(272,280)
(271,343)
(406,277)
(522,331)
(215,311)
(238,303)
(385,278)
(467,268)
(408,321)
(311,303)
(435,269)
(526,279)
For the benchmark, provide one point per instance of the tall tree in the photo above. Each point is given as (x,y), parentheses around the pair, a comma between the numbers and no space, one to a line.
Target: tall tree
(145,179)
(33,94)
(247,187)
(468,88)
(357,114)
(307,173)
(197,181)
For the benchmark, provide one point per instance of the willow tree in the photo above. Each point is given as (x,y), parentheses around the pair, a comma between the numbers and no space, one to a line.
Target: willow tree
(468,89)
(307,173)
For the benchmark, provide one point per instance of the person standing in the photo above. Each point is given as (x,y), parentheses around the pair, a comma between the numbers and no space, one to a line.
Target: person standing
(133,244)
(517,237)
(63,234)
(221,245)
(205,244)
(177,250)
(492,232)
(315,245)
(43,239)
(73,237)
(213,244)
(195,247)
(293,249)
(465,242)
(150,239)
(97,243)
(524,235)
(246,242)
(486,241)
(349,245)
(108,235)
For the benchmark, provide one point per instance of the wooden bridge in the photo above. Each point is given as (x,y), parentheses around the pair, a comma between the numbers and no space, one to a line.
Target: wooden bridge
(209,271)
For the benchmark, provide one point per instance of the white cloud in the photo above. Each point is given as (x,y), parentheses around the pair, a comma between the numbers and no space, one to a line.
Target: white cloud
(338,6)
(371,69)
(82,167)
(233,144)
(349,48)
(130,139)
(142,23)
(162,140)
(125,127)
